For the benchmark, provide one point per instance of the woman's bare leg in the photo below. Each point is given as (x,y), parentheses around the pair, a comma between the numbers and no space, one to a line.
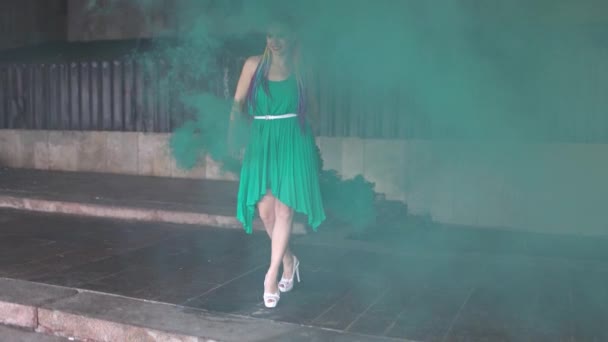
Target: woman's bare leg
(280,242)
(266,209)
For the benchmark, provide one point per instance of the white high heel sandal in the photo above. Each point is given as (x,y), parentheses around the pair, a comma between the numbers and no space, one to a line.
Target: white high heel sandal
(286,285)
(271,299)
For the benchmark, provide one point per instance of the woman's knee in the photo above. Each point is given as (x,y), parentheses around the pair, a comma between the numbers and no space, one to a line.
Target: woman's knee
(266,209)
(283,212)
(267,216)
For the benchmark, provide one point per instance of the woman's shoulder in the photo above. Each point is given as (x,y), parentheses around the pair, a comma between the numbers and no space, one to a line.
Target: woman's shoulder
(252,62)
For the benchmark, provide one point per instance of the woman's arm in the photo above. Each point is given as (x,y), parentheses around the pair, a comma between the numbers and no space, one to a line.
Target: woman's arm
(240,96)
(243,86)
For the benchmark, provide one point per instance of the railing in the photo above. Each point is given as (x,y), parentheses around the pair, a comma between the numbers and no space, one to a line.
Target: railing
(113,95)
(122,95)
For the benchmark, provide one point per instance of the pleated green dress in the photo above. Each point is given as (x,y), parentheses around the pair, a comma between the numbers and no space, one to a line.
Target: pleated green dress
(280,157)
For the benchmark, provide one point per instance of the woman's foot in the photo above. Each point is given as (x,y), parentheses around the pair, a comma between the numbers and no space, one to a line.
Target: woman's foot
(271,291)
(289,273)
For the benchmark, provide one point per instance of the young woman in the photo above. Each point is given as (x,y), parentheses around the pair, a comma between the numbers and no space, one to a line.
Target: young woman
(280,172)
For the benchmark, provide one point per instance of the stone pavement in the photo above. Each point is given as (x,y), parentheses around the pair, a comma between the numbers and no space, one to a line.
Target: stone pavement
(137,281)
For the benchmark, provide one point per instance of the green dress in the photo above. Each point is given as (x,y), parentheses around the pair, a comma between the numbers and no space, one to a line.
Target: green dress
(280,157)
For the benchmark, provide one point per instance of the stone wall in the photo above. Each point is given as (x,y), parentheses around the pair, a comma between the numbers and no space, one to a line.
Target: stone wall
(113,152)
(27,22)
(559,188)
(110,20)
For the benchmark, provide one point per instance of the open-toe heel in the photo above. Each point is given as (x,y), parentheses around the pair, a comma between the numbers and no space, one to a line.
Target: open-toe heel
(271,299)
(286,284)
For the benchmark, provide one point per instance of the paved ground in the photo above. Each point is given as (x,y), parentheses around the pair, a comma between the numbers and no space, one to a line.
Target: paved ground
(426,291)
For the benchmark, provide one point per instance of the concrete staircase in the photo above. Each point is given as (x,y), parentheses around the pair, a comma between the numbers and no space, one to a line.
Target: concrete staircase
(144,198)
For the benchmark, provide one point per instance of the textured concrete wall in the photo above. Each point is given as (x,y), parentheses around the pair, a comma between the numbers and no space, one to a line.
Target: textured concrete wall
(28,22)
(113,152)
(558,188)
(108,20)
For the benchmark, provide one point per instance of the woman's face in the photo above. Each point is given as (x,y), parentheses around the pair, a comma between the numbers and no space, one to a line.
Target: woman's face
(279,40)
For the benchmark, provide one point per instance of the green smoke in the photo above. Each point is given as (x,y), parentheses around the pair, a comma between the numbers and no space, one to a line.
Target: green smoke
(462,69)
(494,74)
(482,82)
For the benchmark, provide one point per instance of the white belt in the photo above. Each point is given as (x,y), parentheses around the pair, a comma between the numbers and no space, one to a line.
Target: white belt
(274,117)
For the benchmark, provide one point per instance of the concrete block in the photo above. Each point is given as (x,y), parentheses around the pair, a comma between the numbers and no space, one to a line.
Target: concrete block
(42,159)
(89,316)
(86,328)
(92,151)
(122,152)
(19,300)
(153,155)
(26,149)
(420,174)
(198,172)
(384,162)
(18,315)
(481,185)
(331,152)
(213,170)
(352,157)
(10,144)
(25,335)
(63,150)
(101,317)
(441,195)
(129,213)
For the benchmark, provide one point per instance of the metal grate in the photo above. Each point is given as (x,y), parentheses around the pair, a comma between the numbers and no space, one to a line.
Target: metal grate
(123,95)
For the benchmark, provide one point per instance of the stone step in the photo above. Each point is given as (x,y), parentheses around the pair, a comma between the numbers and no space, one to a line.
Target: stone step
(12,334)
(92,316)
(143,198)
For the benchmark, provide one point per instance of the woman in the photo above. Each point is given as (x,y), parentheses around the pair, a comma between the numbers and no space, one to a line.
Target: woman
(280,166)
